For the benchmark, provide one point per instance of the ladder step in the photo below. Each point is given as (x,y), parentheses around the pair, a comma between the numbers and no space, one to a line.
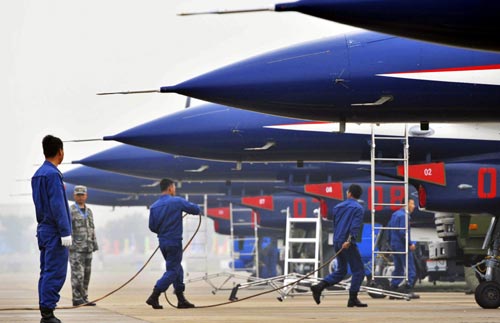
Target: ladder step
(389,138)
(390,204)
(390,252)
(389,159)
(376,276)
(302,260)
(245,254)
(389,182)
(242,223)
(307,240)
(390,228)
(311,220)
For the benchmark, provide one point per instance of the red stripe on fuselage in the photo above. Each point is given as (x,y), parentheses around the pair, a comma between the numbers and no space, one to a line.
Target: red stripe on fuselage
(455,69)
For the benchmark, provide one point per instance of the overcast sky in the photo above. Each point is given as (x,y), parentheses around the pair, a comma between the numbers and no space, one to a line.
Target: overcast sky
(56,54)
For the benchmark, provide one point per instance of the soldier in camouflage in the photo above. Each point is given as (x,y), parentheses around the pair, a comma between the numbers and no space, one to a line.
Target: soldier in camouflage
(84,243)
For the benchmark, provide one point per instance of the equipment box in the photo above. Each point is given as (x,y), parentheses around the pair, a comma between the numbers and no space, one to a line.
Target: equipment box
(442,249)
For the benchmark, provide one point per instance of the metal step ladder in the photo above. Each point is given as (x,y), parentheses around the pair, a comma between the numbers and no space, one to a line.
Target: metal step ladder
(375,161)
(290,240)
(233,239)
(288,285)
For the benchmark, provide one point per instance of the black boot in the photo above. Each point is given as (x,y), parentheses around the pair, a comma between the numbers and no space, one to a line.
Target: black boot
(182,302)
(153,299)
(88,303)
(78,302)
(48,316)
(354,301)
(317,289)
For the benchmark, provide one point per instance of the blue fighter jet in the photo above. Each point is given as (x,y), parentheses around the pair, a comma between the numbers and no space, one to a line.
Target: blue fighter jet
(225,133)
(463,23)
(146,163)
(105,198)
(360,77)
(119,183)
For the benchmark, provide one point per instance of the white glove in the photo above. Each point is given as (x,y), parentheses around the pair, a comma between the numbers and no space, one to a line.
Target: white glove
(66,241)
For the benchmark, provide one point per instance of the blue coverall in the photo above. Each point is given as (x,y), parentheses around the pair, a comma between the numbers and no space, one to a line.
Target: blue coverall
(347,219)
(165,219)
(397,240)
(54,222)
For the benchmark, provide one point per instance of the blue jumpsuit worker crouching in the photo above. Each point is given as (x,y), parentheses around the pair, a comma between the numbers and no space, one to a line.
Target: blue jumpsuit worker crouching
(165,219)
(347,219)
(53,229)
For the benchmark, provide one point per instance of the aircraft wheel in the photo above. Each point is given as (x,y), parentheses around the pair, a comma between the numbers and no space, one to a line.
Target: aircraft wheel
(380,283)
(488,294)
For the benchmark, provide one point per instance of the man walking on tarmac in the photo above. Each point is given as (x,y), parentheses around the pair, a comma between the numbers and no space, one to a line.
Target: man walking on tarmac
(165,219)
(53,231)
(347,219)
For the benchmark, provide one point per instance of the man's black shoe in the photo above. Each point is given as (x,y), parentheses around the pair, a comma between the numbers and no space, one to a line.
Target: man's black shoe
(354,300)
(413,295)
(48,316)
(87,303)
(154,300)
(356,303)
(317,289)
(182,302)
(78,303)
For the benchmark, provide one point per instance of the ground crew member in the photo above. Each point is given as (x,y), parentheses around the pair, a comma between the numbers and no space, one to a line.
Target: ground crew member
(165,219)
(347,219)
(54,227)
(397,240)
(84,244)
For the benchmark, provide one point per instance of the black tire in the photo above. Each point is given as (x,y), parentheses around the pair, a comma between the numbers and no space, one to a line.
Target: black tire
(487,294)
(380,283)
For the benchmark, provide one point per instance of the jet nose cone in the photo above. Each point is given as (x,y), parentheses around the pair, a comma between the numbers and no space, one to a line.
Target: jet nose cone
(81,175)
(284,80)
(146,135)
(109,181)
(288,6)
(175,133)
(121,159)
(112,137)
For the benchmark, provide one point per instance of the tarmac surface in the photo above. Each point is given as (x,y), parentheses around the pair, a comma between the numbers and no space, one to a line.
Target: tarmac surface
(128,306)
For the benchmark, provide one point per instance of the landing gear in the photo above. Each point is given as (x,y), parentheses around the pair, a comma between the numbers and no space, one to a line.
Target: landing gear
(488,294)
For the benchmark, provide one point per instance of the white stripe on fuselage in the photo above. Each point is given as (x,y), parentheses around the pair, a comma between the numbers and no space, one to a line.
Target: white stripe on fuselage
(483,131)
(484,77)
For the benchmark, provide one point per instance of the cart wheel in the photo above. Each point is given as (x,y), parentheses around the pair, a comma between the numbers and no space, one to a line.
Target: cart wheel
(380,283)
(488,294)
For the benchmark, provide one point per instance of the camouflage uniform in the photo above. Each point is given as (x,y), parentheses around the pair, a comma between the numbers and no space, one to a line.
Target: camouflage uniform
(80,257)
